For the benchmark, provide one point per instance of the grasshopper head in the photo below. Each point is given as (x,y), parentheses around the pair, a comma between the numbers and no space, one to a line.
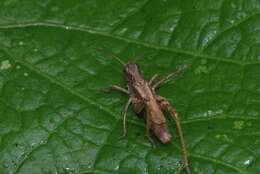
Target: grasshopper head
(132,72)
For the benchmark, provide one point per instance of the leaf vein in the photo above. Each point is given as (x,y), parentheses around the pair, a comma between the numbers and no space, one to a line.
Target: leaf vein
(227,29)
(128,40)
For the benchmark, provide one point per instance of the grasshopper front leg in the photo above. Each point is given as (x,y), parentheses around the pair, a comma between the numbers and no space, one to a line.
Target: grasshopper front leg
(138,106)
(166,106)
(116,88)
(121,89)
(125,117)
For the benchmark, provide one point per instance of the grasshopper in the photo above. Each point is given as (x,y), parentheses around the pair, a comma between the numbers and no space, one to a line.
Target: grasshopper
(143,98)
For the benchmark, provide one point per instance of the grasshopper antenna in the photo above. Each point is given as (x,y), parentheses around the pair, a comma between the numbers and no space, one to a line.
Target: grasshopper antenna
(112,55)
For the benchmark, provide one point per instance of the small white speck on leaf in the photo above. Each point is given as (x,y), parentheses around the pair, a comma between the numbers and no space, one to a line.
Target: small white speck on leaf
(25,74)
(35,50)
(117,167)
(247,162)
(21,43)
(33,144)
(5,64)
(18,67)
(67,27)
(43,142)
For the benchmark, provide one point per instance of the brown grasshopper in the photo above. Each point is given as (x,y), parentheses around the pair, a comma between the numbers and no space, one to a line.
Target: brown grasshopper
(144,99)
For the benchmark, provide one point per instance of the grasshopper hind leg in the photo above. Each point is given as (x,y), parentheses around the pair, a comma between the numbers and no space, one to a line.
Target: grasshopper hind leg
(166,106)
(115,88)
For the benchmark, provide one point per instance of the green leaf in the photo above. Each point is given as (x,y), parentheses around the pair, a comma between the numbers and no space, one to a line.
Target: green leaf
(54,119)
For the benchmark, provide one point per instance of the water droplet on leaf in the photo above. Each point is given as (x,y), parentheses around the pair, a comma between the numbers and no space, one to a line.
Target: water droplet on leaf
(247,162)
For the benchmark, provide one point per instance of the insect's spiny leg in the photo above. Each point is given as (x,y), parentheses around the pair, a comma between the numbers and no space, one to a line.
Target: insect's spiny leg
(153,78)
(183,144)
(168,77)
(163,80)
